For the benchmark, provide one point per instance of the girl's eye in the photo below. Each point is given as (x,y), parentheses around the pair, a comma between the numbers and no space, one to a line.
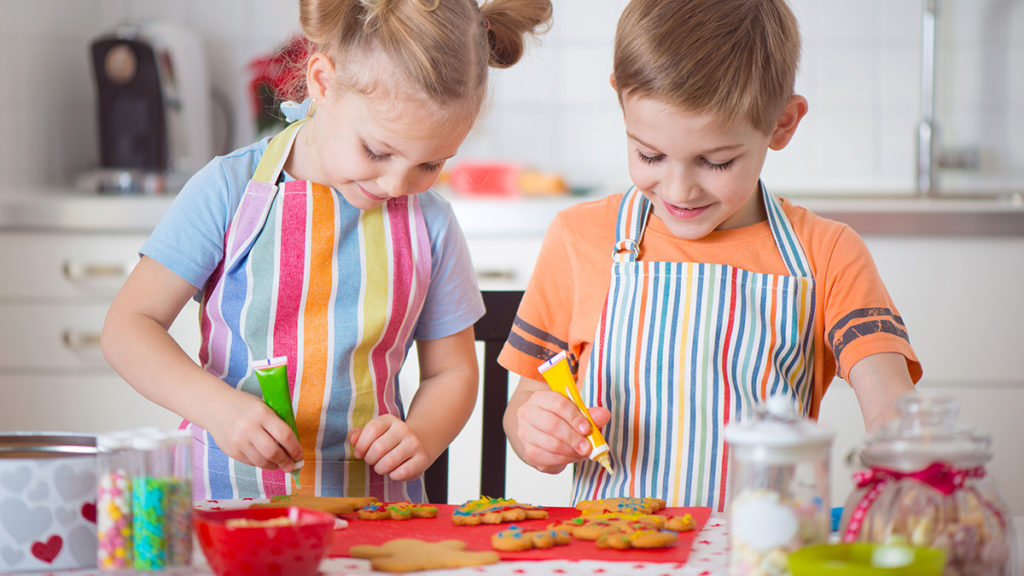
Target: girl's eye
(431,167)
(373,155)
(649,159)
(708,164)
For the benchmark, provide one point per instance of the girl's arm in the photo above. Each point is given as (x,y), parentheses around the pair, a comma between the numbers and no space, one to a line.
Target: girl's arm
(545,429)
(878,380)
(438,411)
(136,344)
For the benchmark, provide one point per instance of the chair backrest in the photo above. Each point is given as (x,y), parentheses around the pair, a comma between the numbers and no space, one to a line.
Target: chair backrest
(492,329)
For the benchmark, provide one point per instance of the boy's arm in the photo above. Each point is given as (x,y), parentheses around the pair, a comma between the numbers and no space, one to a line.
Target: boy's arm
(438,411)
(878,380)
(545,429)
(136,344)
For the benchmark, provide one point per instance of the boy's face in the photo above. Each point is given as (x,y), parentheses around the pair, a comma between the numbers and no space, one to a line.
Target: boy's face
(701,176)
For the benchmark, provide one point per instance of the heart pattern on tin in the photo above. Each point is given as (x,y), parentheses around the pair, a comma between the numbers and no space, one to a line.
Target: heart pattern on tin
(16,480)
(72,484)
(41,491)
(47,551)
(89,511)
(24,524)
(81,543)
(12,556)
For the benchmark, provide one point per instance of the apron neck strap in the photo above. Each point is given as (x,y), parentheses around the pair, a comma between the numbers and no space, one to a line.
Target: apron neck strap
(272,162)
(635,209)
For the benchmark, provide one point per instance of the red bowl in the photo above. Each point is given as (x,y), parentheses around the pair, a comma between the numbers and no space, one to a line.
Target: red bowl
(293,550)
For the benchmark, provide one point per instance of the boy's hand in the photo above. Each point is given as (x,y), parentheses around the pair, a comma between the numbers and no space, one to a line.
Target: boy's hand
(250,432)
(390,446)
(552,432)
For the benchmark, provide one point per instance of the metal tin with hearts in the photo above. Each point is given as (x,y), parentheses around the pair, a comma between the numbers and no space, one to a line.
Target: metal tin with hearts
(47,501)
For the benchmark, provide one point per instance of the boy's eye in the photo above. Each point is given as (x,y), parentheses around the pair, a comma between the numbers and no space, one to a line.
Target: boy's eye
(373,155)
(709,164)
(649,159)
(431,167)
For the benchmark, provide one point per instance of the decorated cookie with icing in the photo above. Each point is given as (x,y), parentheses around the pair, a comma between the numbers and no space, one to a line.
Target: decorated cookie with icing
(495,511)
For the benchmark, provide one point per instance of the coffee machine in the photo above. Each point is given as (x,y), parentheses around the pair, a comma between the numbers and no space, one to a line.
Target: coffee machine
(153,108)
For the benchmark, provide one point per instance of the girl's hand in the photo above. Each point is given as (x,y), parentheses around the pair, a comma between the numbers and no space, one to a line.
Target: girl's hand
(253,434)
(390,446)
(551,431)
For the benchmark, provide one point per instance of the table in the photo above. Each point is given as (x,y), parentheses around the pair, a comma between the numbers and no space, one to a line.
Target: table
(709,557)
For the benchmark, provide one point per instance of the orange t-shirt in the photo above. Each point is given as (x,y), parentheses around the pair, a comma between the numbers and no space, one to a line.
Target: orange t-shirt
(855,316)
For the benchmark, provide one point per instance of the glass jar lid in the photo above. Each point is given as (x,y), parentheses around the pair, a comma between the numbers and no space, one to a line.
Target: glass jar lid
(925,432)
(777,425)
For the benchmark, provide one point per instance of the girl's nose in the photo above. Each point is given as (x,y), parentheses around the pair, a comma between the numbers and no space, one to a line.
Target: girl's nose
(395,185)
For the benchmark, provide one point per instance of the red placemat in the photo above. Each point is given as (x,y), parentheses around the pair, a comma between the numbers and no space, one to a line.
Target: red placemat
(376,532)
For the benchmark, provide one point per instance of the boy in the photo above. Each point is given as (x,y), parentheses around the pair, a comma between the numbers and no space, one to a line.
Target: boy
(720,295)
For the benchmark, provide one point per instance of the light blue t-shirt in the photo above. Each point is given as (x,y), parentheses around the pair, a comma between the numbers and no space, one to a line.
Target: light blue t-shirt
(189,240)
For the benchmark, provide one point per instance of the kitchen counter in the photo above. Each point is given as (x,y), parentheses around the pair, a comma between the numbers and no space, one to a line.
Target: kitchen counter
(1002,215)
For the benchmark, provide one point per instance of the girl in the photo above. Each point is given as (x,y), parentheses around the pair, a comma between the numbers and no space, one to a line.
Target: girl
(325,245)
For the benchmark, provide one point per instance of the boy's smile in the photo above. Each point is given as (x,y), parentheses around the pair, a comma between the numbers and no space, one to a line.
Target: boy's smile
(701,176)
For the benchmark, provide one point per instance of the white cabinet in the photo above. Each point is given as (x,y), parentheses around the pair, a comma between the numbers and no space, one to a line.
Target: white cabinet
(53,299)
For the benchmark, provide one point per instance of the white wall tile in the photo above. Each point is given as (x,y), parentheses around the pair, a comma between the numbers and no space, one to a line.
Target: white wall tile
(859,71)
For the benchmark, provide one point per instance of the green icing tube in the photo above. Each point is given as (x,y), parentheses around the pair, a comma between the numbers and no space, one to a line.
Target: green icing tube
(272,374)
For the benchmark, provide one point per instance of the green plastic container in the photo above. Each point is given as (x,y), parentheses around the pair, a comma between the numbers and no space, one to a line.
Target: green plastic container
(867,559)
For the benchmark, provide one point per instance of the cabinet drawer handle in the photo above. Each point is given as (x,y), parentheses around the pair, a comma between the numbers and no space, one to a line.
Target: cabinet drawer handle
(492,275)
(79,341)
(79,271)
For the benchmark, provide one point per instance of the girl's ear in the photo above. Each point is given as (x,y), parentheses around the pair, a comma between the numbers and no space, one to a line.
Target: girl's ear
(319,76)
(787,122)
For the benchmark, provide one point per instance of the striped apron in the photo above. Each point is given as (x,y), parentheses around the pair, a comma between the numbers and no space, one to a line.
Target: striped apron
(337,291)
(684,348)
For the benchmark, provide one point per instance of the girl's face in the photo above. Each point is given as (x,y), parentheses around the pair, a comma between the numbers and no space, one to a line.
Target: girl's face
(371,148)
(699,175)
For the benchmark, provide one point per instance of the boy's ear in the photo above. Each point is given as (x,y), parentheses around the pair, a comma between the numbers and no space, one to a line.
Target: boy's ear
(787,122)
(611,80)
(319,76)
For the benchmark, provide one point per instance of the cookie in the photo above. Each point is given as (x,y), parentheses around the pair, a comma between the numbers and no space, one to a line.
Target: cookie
(637,539)
(495,511)
(621,531)
(408,554)
(682,523)
(622,504)
(396,511)
(329,504)
(514,539)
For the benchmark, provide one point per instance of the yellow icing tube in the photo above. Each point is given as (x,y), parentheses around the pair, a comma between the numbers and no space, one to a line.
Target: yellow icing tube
(272,374)
(558,375)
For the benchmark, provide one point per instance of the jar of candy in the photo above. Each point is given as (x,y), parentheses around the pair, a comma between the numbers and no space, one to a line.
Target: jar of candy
(116,466)
(924,482)
(778,487)
(162,500)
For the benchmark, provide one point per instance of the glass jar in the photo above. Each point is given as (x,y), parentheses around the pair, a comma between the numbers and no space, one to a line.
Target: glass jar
(924,483)
(116,467)
(778,491)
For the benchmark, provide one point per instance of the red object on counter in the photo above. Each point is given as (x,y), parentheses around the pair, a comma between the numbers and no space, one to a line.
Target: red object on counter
(295,549)
(376,532)
(485,178)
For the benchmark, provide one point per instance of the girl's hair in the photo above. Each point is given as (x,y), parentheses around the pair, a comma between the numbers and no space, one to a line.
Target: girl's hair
(441,46)
(733,58)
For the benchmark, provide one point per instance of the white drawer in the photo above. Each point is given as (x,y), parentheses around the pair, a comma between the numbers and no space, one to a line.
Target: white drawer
(88,404)
(66,266)
(503,263)
(39,336)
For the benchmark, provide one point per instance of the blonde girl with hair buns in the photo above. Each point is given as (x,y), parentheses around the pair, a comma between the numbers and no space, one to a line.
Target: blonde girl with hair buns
(326,246)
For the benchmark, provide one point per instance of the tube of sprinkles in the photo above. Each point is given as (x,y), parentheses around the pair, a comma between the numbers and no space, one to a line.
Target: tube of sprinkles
(272,375)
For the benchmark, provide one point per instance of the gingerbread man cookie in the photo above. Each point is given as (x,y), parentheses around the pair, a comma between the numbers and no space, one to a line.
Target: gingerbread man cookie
(495,511)
(514,539)
(621,530)
(408,555)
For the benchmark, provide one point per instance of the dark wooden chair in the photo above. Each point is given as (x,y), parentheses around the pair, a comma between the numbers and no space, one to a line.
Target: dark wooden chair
(492,330)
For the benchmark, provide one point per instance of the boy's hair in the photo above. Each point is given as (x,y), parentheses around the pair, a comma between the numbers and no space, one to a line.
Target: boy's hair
(733,58)
(441,46)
